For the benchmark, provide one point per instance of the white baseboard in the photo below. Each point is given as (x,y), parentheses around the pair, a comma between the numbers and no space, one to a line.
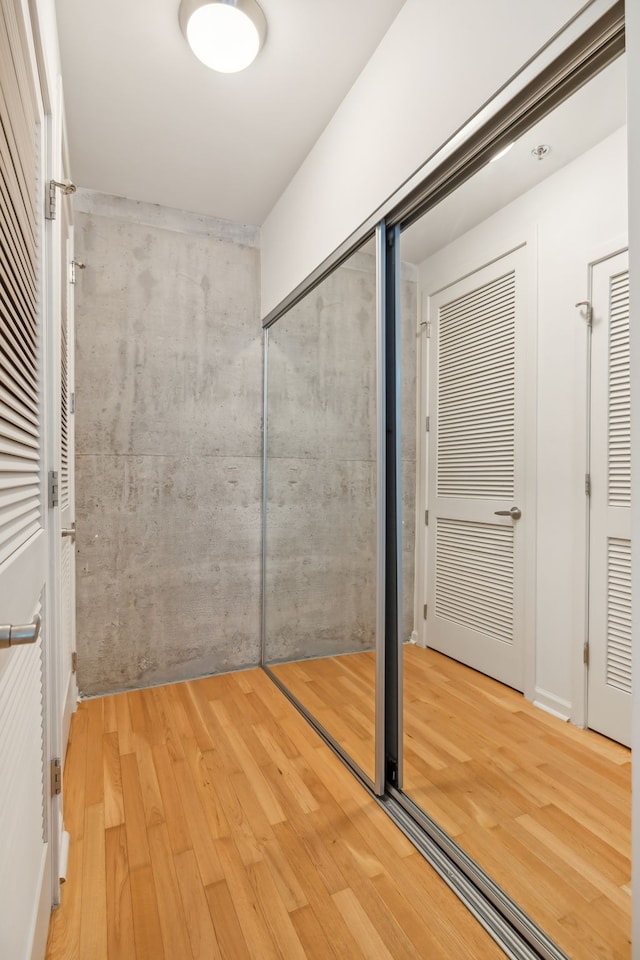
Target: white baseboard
(417,639)
(552,704)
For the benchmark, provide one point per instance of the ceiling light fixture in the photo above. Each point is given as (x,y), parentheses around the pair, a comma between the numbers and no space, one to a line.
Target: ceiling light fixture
(226,35)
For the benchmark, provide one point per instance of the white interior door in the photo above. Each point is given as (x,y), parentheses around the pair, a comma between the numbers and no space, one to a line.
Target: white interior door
(476,540)
(25,890)
(609,689)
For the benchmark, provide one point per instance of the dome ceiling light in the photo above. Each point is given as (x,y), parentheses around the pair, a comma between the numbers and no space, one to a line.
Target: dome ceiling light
(225,35)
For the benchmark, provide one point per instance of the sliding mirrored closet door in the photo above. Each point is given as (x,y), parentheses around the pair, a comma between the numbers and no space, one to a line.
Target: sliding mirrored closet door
(458,388)
(321,618)
(518,476)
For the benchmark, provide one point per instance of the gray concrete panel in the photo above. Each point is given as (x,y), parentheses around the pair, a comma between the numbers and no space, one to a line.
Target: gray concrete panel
(168,449)
(321,558)
(168,564)
(168,342)
(321,490)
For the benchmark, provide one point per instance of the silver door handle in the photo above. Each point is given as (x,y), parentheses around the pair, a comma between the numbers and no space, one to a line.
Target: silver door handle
(70,532)
(515,513)
(27,633)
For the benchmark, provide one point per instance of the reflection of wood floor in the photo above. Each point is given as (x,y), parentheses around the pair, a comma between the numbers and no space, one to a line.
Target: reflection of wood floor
(543,806)
(209,821)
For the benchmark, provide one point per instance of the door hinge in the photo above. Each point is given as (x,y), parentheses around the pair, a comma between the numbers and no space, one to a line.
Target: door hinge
(75,265)
(426,518)
(424,612)
(72,403)
(588,311)
(427,329)
(585,654)
(50,204)
(50,212)
(56,777)
(74,661)
(587,484)
(54,498)
(426,427)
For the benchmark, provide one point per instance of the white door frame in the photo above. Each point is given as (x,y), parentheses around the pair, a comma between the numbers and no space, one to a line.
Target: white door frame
(62,692)
(69,687)
(580,712)
(464,262)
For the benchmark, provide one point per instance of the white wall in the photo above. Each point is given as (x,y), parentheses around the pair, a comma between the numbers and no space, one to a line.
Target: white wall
(44,15)
(578,214)
(409,99)
(633,95)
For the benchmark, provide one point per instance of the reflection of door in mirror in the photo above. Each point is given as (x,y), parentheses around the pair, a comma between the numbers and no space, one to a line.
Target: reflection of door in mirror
(476,534)
(497,685)
(609,636)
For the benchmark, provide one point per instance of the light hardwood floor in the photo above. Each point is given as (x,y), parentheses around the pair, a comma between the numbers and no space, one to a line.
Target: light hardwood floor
(209,821)
(543,806)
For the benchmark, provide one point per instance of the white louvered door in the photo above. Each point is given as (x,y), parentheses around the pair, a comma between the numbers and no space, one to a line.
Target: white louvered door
(476,453)
(609,691)
(25,886)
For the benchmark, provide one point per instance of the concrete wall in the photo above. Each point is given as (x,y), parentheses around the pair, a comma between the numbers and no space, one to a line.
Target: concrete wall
(321,499)
(168,444)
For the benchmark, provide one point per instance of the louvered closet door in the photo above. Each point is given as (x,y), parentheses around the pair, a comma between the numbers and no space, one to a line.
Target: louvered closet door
(609,694)
(25,885)
(476,403)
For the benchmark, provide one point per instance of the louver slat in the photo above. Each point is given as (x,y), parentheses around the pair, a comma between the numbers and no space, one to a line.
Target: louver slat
(474,576)
(619,614)
(476,407)
(619,420)
(20,462)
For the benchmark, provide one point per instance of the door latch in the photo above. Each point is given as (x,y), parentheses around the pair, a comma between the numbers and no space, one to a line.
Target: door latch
(13,636)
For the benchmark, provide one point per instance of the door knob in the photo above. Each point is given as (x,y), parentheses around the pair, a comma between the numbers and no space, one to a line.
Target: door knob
(515,513)
(70,532)
(11,636)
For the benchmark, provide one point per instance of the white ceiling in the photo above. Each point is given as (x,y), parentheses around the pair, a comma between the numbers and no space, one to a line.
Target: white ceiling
(146,120)
(594,112)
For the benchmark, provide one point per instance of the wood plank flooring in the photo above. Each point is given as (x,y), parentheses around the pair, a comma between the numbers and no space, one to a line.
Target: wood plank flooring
(209,821)
(543,806)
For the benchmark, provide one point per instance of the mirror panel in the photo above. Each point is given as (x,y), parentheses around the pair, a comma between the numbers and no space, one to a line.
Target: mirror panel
(321,504)
(520,406)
